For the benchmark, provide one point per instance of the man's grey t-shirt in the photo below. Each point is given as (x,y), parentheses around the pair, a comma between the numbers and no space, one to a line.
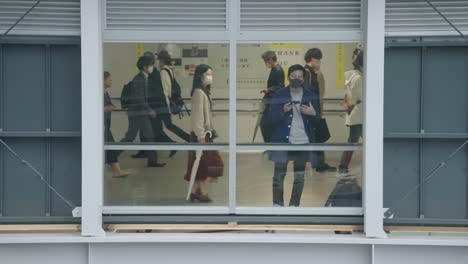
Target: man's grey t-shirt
(297,134)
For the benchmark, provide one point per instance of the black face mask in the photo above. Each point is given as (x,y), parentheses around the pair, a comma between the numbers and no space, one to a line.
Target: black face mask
(296,83)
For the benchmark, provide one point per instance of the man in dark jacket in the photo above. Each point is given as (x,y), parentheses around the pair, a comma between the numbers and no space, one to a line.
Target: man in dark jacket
(294,116)
(315,82)
(139,112)
(274,83)
(157,102)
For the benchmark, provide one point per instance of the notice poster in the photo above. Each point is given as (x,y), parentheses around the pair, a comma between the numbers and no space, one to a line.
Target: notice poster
(288,54)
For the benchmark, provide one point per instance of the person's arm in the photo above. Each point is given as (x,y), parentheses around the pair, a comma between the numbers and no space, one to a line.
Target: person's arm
(355,96)
(321,88)
(197,119)
(277,109)
(278,80)
(166,84)
(311,107)
(356,91)
(108,105)
(138,90)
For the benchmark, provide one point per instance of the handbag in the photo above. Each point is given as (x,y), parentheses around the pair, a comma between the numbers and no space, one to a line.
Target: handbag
(322,134)
(211,162)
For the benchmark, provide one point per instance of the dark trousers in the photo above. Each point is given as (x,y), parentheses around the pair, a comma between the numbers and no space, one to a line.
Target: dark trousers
(319,159)
(355,133)
(299,158)
(159,134)
(265,125)
(166,118)
(112,156)
(142,124)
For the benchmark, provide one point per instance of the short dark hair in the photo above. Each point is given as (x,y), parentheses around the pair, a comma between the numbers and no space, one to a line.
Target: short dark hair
(296,67)
(106,75)
(358,62)
(164,56)
(149,54)
(314,53)
(143,62)
(269,55)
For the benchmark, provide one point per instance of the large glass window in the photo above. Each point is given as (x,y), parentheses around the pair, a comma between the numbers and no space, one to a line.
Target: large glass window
(293,98)
(166,124)
(298,114)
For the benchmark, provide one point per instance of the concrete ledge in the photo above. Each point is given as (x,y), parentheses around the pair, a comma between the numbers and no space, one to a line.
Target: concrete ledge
(252,238)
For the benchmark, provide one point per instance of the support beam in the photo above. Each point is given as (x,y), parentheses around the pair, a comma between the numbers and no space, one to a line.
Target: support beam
(92,118)
(374,28)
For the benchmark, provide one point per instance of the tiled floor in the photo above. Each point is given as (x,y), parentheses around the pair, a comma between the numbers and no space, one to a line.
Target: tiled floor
(166,186)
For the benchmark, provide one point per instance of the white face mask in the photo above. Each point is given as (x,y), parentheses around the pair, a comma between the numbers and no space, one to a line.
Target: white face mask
(208,80)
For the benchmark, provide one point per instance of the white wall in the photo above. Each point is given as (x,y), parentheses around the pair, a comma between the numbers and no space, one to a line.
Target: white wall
(120,60)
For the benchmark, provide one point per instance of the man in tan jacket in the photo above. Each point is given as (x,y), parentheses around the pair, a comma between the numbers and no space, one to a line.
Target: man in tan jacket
(315,82)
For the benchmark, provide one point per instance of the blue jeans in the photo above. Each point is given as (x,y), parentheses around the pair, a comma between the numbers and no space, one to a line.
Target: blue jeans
(299,158)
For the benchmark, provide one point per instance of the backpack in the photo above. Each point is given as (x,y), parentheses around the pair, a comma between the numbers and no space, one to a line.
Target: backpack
(176,102)
(126,96)
(347,193)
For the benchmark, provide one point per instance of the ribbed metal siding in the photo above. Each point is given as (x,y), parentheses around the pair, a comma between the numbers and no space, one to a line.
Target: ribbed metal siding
(50,17)
(315,15)
(166,15)
(417,17)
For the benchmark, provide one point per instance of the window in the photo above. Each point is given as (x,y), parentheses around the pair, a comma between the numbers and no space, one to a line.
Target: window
(240,105)
(150,147)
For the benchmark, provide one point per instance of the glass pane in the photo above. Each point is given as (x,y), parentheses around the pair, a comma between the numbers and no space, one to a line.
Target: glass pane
(282,178)
(168,185)
(166,99)
(332,74)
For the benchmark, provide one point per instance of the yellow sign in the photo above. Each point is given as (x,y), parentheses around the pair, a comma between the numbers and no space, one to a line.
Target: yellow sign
(340,66)
(286,80)
(140,49)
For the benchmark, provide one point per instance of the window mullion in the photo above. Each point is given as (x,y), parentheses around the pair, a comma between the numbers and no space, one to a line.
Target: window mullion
(233,20)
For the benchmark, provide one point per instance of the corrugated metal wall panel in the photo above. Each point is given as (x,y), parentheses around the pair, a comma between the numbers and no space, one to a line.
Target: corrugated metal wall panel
(166,15)
(50,17)
(417,17)
(314,15)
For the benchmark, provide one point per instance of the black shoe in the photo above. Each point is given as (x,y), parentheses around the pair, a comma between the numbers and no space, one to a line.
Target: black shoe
(343,171)
(325,168)
(172,153)
(139,155)
(156,165)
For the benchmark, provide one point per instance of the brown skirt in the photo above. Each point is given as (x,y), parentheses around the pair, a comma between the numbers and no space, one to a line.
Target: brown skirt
(211,164)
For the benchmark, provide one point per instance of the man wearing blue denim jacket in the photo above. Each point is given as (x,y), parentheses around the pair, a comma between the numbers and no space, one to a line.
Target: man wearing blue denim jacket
(294,116)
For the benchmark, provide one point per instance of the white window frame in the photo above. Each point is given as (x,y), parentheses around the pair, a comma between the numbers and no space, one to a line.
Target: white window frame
(94,35)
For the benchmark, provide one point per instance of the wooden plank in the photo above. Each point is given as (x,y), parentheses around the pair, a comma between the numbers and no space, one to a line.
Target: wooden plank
(230,227)
(426,229)
(39,228)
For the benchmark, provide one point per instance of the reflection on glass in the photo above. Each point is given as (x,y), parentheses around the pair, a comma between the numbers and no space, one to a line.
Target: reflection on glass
(264,181)
(331,74)
(168,185)
(154,94)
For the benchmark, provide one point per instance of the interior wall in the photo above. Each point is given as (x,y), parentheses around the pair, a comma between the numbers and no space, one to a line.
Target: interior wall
(120,60)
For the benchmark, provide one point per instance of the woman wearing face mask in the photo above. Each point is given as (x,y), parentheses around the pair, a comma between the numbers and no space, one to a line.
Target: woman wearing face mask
(211,165)
(294,116)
